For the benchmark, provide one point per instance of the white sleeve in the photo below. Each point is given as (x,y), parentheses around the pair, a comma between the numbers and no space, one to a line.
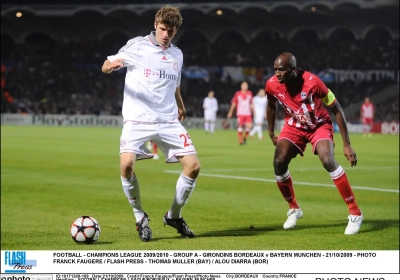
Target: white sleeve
(127,52)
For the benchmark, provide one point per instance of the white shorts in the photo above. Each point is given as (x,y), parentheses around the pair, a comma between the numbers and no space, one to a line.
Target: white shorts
(171,138)
(259,119)
(210,115)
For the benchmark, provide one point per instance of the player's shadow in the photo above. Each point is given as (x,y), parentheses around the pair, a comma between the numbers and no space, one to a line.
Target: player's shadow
(368,226)
(377,225)
(99,243)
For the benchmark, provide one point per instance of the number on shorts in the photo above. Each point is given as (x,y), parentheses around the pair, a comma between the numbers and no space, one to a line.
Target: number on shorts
(186,139)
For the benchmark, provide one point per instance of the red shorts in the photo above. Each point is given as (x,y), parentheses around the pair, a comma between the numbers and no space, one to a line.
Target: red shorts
(300,138)
(367,121)
(242,120)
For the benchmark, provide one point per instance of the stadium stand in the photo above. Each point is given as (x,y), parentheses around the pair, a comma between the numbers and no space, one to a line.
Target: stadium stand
(51,56)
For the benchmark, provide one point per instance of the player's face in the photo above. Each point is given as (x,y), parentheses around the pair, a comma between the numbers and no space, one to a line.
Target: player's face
(261,93)
(211,94)
(244,86)
(164,33)
(283,72)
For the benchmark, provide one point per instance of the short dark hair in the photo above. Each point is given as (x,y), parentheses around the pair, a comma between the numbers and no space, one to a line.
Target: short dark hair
(170,16)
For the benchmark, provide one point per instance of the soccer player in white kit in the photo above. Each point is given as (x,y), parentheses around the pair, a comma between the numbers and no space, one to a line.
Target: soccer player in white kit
(259,106)
(152,110)
(210,106)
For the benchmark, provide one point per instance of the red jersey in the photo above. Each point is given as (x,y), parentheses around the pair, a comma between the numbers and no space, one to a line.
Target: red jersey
(367,110)
(302,103)
(243,103)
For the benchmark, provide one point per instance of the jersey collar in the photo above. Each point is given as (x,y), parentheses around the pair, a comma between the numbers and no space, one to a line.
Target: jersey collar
(153,40)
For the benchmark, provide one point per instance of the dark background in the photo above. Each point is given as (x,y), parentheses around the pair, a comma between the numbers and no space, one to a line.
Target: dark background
(52,55)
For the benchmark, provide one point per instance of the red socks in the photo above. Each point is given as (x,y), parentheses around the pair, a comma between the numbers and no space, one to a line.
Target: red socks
(285,185)
(342,184)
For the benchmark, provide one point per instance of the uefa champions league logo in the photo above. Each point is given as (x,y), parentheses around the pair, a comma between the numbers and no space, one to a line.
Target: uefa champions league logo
(17,262)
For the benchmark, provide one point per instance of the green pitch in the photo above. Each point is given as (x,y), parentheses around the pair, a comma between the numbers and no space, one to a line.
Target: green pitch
(52,175)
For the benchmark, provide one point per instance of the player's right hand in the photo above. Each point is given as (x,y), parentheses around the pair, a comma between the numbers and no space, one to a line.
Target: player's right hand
(115,65)
(274,139)
(229,115)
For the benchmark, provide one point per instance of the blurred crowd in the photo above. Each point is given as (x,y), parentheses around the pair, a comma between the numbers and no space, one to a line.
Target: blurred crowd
(43,76)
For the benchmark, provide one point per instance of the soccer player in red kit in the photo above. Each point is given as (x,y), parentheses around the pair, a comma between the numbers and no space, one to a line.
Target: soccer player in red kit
(301,94)
(242,102)
(367,116)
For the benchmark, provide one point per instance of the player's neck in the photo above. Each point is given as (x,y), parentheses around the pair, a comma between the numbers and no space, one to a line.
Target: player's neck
(292,81)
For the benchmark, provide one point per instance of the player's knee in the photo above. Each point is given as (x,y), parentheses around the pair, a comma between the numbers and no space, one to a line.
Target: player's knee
(193,169)
(329,163)
(279,161)
(126,167)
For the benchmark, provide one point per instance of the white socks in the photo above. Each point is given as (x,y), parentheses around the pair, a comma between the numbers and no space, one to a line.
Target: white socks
(184,187)
(132,193)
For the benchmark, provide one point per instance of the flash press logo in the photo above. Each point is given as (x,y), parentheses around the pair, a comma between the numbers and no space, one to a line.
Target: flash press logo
(17,262)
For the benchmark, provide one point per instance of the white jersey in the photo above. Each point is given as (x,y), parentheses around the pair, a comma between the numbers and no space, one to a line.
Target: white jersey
(260,107)
(210,104)
(152,76)
(260,104)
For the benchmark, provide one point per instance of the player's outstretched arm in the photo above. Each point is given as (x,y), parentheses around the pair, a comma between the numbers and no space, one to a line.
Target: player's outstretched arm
(271,116)
(109,66)
(349,153)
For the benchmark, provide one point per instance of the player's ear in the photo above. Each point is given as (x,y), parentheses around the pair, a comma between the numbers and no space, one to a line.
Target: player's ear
(155,25)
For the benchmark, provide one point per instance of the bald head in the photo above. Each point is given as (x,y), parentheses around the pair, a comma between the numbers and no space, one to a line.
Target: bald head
(284,66)
(286,59)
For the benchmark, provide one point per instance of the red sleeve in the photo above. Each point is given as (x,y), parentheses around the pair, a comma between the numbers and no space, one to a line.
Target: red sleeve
(320,89)
(268,90)
(235,98)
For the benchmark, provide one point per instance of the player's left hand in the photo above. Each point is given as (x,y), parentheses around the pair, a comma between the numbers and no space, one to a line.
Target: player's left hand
(350,154)
(181,114)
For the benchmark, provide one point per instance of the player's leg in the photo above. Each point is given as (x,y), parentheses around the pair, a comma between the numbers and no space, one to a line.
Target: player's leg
(212,123)
(248,125)
(260,132)
(290,143)
(323,144)
(253,131)
(369,127)
(258,129)
(240,122)
(155,150)
(129,147)
(206,126)
(178,146)
(365,126)
(212,126)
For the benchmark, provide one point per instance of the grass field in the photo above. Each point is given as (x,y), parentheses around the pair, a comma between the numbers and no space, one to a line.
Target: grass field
(52,175)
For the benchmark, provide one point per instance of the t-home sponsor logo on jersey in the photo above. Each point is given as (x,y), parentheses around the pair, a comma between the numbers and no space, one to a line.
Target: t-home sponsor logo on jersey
(16,262)
(162,75)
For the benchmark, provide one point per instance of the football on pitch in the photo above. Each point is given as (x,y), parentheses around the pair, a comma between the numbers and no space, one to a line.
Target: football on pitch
(85,229)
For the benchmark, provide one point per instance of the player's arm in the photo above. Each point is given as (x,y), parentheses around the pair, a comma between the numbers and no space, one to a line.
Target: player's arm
(123,58)
(330,101)
(179,103)
(109,66)
(231,109)
(271,116)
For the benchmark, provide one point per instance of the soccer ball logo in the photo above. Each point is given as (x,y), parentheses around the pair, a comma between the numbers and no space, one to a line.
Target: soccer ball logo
(85,229)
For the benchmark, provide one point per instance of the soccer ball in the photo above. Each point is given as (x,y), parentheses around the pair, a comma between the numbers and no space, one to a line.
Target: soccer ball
(85,229)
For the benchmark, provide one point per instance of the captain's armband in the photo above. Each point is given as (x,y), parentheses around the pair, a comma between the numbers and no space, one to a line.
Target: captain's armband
(329,99)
